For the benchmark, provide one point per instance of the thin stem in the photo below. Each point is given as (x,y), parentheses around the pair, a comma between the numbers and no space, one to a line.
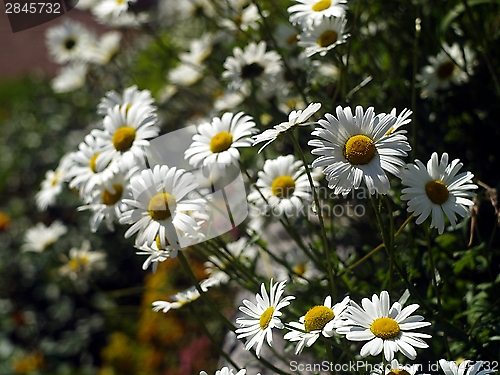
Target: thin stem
(435,285)
(320,215)
(414,83)
(329,356)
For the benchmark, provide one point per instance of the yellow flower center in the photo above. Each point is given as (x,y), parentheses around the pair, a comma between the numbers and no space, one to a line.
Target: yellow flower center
(396,371)
(359,149)
(385,328)
(299,269)
(266,317)
(317,317)
(92,163)
(437,191)
(109,198)
(158,242)
(327,38)
(123,138)
(321,5)
(76,264)
(221,142)
(283,186)
(445,70)
(159,206)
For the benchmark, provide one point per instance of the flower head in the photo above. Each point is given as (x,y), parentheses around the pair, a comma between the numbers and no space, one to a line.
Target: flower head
(465,368)
(439,190)
(262,317)
(357,148)
(320,319)
(387,329)
(40,237)
(323,36)
(309,12)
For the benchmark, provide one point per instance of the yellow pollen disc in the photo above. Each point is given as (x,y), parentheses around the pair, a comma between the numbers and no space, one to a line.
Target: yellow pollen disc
(321,5)
(317,318)
(437,191)
(445,70)
(123,138)
(283,186)
(92,163)
(109,198)
(159,206)
(385,328)
(359,149)
(327,38)
(158,242)
(396,371)
(74,264)
(266,317)
(221,142)
(300,269)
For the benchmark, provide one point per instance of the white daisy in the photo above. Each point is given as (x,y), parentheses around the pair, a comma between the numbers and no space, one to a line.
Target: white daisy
(185,74)
(241,18)
(105,48)
(131,97)
(82,261)
(284,186)
(395,368)
(359,147)
(466,368)
(161,206)
(451,66)
(252,64)
(68,41)
(226,371)
(438,189)
(109,9)
(106,201)
(40,237)
(262,317)
(52,185)
(295,118)
(324,36)
(70,78)
(125,135)
(320,319)
(401,120)
(180,299)
(308,12)
(216,144)
(387,329)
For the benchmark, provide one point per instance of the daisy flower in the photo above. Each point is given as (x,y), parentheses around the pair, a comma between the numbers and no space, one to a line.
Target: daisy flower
(308,12)
(131,96)
(284,186)
(126,133)
(320,319)
(262,317)
(105,48)
(252,64)
(68,41)
(324,36)
(438,189)
(466,368)
(52,185)
(387,329)
(453,65)
(40,237)
(108,9)
(401,120)
(82,261)
(161,206)
(239,18)
(226,371)
(395,368)
(106,201)
(70,78)
(216,143)
(180,299)
(295,118)
(357,148)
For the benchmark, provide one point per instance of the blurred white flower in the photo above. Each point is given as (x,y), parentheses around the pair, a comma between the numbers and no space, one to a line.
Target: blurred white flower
(82,261)
(70,78)
(39,237)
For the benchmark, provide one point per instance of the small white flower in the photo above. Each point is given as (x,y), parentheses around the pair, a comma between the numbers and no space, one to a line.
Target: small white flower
(226,371)
(82,261)
(131,97)
(70,78)
(452,65)
(109,9)
(263,317)
(385,328)
(395,368)
(308,12)
(105,48)
(438,189)
(295,118)
(466,368)
(40,237)
(52,185)
(320,319)
(180,299)
(357,148)
(323,36)
(68,41)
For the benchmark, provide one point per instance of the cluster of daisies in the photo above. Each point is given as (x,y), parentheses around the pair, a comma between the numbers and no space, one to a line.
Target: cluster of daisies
(73,44)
